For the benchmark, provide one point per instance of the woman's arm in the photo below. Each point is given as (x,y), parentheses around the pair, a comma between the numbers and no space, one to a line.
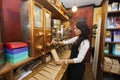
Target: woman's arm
(82,52)
(70,41)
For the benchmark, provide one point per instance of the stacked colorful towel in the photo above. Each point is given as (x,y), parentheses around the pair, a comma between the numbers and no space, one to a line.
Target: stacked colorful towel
(16,51)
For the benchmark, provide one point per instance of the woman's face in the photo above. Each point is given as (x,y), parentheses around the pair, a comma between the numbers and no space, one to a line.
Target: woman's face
(77,31)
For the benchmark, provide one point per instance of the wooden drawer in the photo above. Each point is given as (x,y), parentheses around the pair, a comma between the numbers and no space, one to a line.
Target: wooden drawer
(38,41)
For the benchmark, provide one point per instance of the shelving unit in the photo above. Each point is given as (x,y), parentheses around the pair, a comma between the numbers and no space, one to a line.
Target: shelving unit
(65,54)
(114,12)
(111,55)
(57,13)
(108,72)
(112,29)
(38,37)
(110,42)
(10,66)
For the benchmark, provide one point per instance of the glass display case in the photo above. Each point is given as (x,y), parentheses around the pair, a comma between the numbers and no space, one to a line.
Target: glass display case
(31,15)
(38,20)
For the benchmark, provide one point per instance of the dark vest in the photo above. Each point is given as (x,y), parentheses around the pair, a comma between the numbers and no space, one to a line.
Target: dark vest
(74,51)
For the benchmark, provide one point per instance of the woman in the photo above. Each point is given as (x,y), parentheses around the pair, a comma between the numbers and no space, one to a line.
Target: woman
(80,46)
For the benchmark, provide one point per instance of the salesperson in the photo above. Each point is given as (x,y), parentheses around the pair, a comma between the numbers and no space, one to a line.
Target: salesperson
(80,46)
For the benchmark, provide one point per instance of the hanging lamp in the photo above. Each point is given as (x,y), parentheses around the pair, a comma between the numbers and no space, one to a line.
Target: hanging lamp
(74,8)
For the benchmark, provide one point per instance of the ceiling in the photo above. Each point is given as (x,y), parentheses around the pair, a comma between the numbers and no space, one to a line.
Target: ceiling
(78,3)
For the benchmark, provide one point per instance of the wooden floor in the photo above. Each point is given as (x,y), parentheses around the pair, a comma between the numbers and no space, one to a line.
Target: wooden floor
(88,72)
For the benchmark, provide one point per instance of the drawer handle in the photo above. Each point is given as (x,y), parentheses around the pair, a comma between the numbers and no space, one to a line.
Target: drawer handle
(49,34)
(48,44)
(39,34)
(39,47)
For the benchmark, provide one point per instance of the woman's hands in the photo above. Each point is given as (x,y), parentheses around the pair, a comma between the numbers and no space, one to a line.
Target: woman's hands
(59,62)
(65,61)
(62,61)
(55,42)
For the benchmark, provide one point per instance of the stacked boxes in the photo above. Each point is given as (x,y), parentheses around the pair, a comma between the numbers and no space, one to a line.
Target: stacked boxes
(111,65)
(16,51)
(116,49)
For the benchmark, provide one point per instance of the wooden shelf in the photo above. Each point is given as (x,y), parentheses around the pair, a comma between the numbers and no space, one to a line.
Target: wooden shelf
(113,12)
(38,56)
(10,66)
(61,14)
(112,42)
(112,29)
(6,68)
(111,55)
(65,54)
(35,71)
(110,72)
(55,12)
(22,62)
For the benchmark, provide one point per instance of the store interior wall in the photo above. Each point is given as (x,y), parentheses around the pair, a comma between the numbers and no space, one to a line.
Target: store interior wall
(11,20)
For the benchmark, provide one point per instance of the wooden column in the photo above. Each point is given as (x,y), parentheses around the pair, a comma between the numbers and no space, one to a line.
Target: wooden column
(102,39)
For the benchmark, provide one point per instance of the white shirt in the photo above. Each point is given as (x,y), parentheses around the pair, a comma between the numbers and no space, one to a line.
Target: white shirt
(83,48)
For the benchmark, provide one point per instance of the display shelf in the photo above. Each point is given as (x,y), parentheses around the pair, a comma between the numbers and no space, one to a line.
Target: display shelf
(112,42)
(55,12)
(38,56)
(109,29)
(22,63)
(113,12)
(34,71)
(6,68)
(108,72)
(10,66)
(61,14)
(112,55)
(65,54)
(62,8)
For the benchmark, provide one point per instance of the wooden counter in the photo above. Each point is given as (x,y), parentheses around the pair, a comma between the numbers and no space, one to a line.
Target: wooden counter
(36,74)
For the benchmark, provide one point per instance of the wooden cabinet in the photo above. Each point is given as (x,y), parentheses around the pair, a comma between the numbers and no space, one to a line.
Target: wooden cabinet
(32,26)
(109,42)
(29,21)
(57,13)
(47,30)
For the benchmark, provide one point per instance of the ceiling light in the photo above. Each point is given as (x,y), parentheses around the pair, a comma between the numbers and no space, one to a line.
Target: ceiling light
(74,8)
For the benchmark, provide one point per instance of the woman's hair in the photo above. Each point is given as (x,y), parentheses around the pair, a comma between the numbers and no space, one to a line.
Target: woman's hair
(85,31)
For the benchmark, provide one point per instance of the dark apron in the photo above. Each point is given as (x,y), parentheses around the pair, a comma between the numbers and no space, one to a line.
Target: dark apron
(75,71)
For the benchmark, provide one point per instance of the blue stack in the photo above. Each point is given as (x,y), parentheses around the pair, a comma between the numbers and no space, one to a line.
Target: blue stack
(116,49)
(17,54)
